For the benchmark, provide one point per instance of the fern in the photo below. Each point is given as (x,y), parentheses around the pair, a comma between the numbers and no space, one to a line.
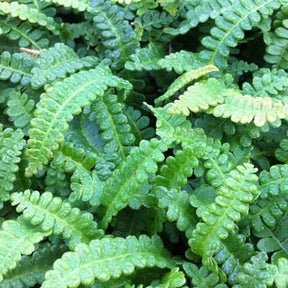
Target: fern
(80,5)
(16,67)
(280,273)
(11,146)
(61,61)
(45,130)
(99,260)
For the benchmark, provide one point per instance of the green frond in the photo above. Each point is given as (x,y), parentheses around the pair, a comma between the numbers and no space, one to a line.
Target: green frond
(16,67)
(230,26)
(201,95)
(280,273)
(58,105)
(245,109)
(231,204)
(202,278)
(31,270)
(32,15)
(139,124)
(11,146)
(80,5)
(239,67)
(116,34)
(56,217)
(145,58)
(17,237)
(170,6)
(57,62)
(105,259)
(114,127)
(20,110)
(132,173)
(144,6)
(184,79)
(180,62)
(178,208)
(24,32)
(276,50)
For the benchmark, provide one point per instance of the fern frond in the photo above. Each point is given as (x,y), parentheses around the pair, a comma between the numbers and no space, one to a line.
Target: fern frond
(144,6)
(17,237)
(58,105)
(280,273)
(230,27)
(184,79)
(231,204)
(116,34)
(32,15)
(56,62)
(132,173)
(277,41)
(56,217)
(24,32)
(20,110)
(200,96)
(180,62)
(16,67)
(239,67)
(80,5)
(105,259)
(114,126)
(145,58)
(11,145)
(31,270)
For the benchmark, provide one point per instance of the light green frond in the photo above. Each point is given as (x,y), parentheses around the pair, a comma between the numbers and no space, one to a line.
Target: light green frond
(56,217)
(80,5)
(280,273)
(105,259)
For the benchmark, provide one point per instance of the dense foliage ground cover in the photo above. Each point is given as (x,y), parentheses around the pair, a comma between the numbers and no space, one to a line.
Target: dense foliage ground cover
(143,144)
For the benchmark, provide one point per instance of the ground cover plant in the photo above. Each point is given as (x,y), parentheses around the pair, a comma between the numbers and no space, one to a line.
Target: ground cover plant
(143,143)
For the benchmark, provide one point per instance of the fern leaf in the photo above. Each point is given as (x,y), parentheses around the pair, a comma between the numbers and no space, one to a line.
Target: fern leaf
(276,41)
(280,273)
(57,62)
(231,203)
(200,96)
(11,145)
(57,107)
(127,180)
(144,6)
(230,28)
(80,5)
(20,110)
(32,15)
(115,130)
(180,62)
(245,109)
(184,79)
(145,58)
(105,259)
(56,217)
(15,67)
(26,35)
(116,34)
(17,237)
(31,270)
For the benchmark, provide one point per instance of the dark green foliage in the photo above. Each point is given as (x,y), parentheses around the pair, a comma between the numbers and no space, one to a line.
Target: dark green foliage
(143,143)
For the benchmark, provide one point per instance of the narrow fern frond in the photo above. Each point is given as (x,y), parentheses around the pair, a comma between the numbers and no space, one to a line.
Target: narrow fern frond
(31,270)
(231,204)
(56,62)
(132,173)
(280,273)
(199,96)
(184,79)
(23,32)
(11,145)
(16,67)
(56,217)
(32,15)
(105,259)
(58,105)
(80,5)
(229,28)
(17,237)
